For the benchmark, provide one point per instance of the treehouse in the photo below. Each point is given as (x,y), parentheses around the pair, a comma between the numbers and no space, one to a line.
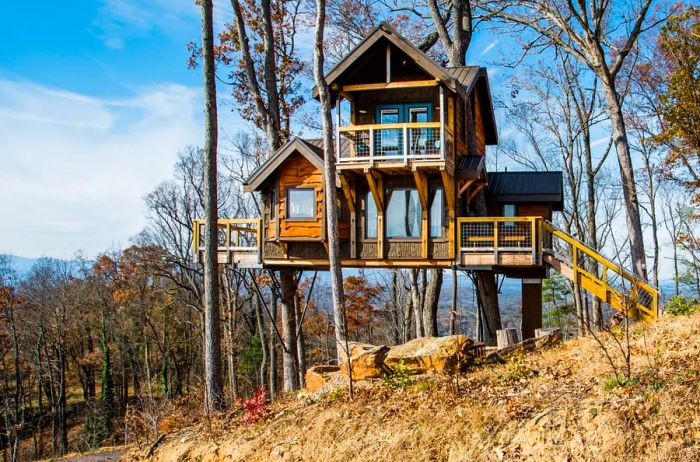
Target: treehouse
(413,188)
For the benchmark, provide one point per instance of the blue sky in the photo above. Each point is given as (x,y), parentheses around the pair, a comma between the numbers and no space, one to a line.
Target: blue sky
(95,101)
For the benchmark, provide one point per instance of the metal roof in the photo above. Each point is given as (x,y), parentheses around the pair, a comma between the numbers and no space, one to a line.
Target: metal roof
(526,187)
(466,75)
(470,162)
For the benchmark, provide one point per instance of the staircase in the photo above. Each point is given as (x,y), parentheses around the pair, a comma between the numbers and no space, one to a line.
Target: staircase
(621,289)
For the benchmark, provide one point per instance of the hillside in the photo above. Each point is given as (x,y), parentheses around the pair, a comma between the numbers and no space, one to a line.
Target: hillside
(555,405)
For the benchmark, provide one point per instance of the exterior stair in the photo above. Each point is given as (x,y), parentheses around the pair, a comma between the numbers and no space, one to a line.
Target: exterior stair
(616,286)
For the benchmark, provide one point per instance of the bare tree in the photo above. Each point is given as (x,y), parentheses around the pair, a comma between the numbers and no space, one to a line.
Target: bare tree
(601,34)
(330,190)
(214,395)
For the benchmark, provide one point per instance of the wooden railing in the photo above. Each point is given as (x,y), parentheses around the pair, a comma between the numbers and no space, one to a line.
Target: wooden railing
(521,235)
(620,288)
(239,240)
(393,142)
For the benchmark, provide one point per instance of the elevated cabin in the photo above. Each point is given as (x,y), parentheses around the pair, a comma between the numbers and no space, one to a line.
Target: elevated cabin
(413,188)
(411,143)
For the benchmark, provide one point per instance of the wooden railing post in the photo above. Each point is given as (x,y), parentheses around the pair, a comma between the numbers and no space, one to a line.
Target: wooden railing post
(495,242)
(406,145)
(371,146)
(442,123)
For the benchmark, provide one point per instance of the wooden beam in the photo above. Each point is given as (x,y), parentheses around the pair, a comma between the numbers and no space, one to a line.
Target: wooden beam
(475,191)
(390,85)
(422,187)
(465,186)
(448,183)
(350,195)
(376,186)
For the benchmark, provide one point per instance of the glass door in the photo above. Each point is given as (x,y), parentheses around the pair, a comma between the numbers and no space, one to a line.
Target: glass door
(389,140)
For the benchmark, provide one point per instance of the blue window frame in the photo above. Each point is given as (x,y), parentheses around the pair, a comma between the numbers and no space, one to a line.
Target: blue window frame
(390,141)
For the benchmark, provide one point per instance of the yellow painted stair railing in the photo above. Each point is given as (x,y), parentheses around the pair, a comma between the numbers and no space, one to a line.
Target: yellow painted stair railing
(635,297)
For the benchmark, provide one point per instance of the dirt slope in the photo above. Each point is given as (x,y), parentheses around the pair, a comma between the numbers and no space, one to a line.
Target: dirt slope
(552,405)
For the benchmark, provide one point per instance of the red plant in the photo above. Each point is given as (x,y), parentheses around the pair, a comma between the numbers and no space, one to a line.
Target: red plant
(256,408)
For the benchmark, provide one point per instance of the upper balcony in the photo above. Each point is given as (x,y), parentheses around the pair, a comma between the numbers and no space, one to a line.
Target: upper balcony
(395,145)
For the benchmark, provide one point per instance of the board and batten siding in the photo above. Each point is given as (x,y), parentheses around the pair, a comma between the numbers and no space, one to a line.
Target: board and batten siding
(297,172)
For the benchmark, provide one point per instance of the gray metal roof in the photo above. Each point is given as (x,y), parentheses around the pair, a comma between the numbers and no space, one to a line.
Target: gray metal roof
(470,162)
(526,187)
(466,75)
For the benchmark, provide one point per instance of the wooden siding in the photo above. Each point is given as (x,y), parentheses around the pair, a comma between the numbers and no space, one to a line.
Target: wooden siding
(523,209)
(479,125)
(294,172)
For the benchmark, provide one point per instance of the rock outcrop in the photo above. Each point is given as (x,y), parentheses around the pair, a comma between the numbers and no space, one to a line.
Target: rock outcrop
(318,377)
(367,361)
(440,355)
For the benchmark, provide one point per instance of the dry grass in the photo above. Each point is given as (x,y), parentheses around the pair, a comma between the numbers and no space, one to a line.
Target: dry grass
(554,405)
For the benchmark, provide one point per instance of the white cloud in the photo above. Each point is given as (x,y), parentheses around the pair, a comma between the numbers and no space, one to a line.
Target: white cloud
(119,20)
(74,169)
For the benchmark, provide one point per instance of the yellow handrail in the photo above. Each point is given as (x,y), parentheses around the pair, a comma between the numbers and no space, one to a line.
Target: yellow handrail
(231,225)
(635,281)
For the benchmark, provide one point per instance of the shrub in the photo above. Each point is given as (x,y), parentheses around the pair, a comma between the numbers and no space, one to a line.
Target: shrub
(679,305)
(399,377)
(256,408)
(618,381)
(517,369)
(335,394)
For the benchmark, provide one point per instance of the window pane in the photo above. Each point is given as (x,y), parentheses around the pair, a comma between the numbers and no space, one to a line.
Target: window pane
(509,210)
(389,140)
(437,214)
(403,213)
(302,203)
(418,114)
(370,217)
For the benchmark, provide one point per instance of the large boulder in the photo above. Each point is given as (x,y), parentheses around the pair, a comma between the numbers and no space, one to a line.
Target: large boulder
(367,361)
(440,355)
(318,377)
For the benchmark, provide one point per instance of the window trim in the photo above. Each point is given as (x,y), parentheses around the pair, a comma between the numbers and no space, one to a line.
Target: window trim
(388,193)
(443,227)
(288,202)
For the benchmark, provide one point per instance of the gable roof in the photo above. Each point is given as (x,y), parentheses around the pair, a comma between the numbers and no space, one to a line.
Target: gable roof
(311,150)
(385,31)
(526,187)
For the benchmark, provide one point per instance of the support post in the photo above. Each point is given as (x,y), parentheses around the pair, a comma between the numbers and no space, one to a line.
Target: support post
(531,307)
(442,123)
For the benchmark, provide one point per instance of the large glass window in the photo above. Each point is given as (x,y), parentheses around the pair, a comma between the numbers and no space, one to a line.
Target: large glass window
(301,203)
(437,213)
(403,214)
(370,217)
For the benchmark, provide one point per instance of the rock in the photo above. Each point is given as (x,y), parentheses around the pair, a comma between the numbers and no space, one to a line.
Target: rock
(441,355)
(367,361)
(317,377)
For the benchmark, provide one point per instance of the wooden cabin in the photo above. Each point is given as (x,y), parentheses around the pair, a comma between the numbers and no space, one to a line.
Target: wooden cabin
(412,182)
(411,146)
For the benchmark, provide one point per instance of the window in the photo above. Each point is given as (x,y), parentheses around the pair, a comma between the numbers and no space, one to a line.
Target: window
(403,213)
(509,210)
(437,213)
(389,140)
(301,203)
(370,217)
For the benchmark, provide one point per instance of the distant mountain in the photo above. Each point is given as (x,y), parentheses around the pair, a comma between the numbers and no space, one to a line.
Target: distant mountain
(24,265)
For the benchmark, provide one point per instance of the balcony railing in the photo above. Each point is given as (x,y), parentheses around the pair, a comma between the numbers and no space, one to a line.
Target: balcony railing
(239,241)
(497,240)
(393,142)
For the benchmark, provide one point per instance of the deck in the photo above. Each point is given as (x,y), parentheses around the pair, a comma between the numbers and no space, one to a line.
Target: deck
(499,241)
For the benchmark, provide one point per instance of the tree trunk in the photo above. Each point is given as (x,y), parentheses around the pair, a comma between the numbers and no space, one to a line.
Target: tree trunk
(490,320)
(273,345)
(629,187)
(263,339)
(301,349)
(453,304)
(416,304)
(592,225)
(214,396)
(289,327)
(431,303)
(329,179)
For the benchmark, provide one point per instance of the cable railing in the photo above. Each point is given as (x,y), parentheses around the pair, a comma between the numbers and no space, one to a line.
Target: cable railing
(393,142)
(239,240)
(497,235)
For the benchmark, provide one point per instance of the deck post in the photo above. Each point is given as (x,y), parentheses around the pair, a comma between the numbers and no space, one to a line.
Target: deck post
(371,146)
(442,123)
(337,128)
(531,307)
